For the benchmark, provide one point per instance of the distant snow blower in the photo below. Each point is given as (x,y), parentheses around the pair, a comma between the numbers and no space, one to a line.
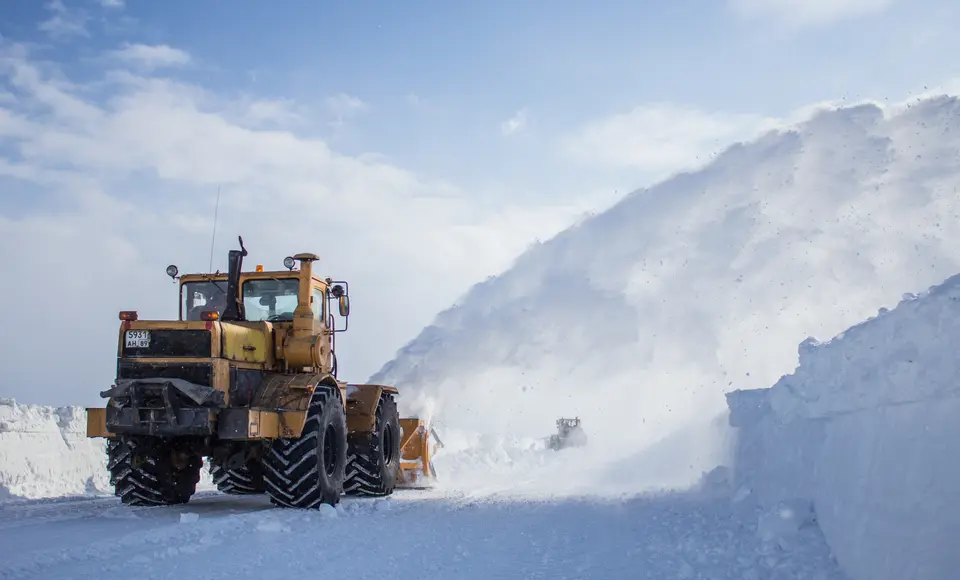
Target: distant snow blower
(569,434)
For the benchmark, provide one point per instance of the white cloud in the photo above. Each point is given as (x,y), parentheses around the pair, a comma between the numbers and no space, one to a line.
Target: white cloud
(344,106)
(660,138)
(515,123)
(807,12)
(112,3)
(64,23)
(128,186)
(272,111)
(151,56)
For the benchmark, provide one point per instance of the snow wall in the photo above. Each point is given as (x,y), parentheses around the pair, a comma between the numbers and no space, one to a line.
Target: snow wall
(45,453)
(867,430)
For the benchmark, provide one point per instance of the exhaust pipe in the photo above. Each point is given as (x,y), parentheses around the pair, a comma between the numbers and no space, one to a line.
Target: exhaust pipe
(234,309)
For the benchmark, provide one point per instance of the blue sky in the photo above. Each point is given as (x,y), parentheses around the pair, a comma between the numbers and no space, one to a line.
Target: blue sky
(418,147)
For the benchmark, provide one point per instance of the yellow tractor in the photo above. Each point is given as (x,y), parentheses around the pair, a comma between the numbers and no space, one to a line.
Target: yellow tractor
(247,377)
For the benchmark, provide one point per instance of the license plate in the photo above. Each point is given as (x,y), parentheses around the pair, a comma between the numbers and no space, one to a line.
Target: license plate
(138,338)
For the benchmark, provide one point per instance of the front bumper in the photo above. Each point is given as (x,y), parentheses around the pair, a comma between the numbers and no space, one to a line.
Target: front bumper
(178,408)
(161,422)
(161,407)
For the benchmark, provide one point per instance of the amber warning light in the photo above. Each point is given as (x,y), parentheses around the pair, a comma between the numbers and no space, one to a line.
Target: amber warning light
(209,315)
(128,315)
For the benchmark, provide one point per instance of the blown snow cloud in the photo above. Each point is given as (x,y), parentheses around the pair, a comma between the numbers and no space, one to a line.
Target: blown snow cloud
(640,318)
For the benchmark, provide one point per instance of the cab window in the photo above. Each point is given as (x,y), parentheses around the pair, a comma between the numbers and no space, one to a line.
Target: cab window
(318,304)
(199,297)
(271,299)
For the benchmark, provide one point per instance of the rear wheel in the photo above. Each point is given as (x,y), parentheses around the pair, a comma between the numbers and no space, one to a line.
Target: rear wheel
(245,480)
(373,462)
(152,473)
(308,471)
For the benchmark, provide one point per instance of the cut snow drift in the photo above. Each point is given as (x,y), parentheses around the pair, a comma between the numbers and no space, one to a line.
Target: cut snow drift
(867,430)
(45,452)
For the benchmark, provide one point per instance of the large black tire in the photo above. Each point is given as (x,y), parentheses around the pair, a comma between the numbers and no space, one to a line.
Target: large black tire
(152,474)
(373,461)
(309,471)
(246,480)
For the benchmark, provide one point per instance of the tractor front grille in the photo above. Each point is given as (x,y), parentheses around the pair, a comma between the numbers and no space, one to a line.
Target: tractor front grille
(197,373)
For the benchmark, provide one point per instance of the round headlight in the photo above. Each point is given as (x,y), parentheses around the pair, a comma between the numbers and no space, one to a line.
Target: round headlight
(172,271)
(289,263)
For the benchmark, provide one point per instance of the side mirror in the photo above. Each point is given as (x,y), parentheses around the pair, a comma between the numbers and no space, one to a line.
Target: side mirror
(344,303)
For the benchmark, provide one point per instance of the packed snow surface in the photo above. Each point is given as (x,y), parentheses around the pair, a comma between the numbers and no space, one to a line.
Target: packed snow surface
(411,535)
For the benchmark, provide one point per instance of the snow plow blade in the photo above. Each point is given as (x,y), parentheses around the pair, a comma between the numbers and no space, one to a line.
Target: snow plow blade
(416,455)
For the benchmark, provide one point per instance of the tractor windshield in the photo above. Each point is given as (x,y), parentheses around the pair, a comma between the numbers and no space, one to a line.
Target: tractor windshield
(273,299)
(198,297)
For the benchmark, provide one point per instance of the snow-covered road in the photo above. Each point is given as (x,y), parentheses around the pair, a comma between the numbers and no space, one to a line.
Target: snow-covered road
(414,534)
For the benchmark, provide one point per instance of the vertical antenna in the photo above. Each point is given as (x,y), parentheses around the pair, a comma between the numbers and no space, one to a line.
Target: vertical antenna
(214,238)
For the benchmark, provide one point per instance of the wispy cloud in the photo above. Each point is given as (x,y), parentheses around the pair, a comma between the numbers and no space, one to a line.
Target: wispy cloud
(272,112)
(151,56)
(514,124)
(798,13)
(343,107)
(63,22)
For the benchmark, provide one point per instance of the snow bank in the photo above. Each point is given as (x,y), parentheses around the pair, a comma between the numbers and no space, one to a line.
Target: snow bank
(867,429)
(44,452)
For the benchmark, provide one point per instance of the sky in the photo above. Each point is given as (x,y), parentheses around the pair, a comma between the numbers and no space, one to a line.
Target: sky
(418,148)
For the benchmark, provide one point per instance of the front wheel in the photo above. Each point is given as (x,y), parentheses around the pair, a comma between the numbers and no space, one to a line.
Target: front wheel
(308,471)
(152,474)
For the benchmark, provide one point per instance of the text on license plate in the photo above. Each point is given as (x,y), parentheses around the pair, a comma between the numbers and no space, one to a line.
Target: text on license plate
(138,338)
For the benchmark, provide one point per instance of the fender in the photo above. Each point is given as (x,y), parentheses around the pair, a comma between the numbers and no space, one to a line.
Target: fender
(288,396)
(362,402)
